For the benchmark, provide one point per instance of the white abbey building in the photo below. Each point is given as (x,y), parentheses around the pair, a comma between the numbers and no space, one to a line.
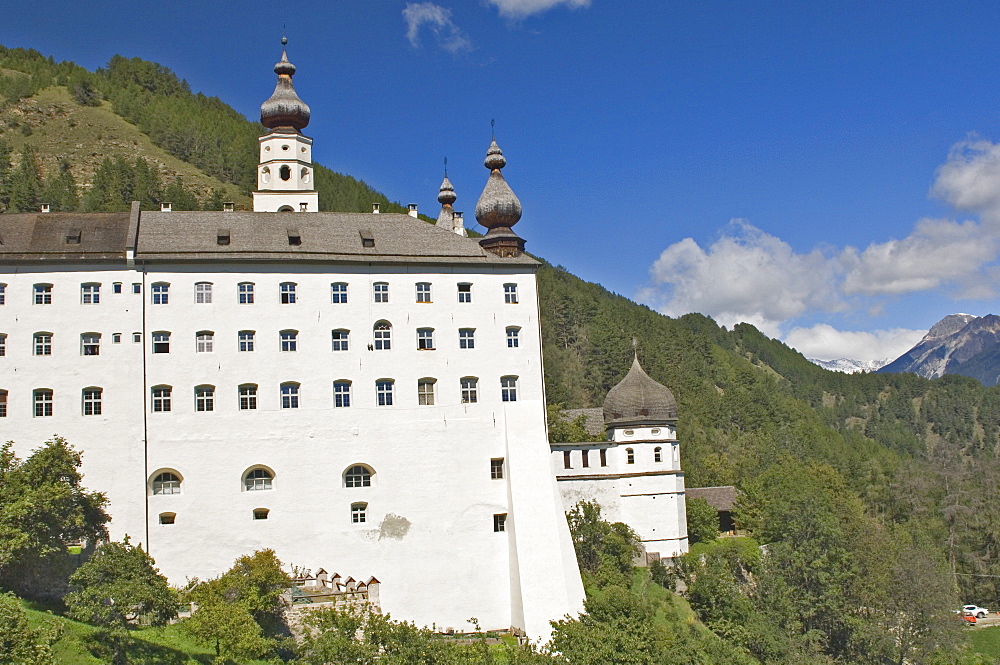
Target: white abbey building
(359,392)
(635,475)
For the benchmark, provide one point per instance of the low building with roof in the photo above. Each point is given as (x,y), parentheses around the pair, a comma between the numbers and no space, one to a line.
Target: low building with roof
(635,473)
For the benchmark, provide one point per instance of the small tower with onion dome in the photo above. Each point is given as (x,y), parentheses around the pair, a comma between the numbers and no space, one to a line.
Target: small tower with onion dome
(285,180)
(499,209)
(447,219)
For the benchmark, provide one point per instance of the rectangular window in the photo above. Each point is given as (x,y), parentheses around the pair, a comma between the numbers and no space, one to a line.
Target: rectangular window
(470,390)
(287,293)
(466,338)
(567,459)
(246,340)
(203,292)
(500,522)
(90,344)
(116,287)
(3,345)
(289,340)
(3,294)
(604,456)
(340,340)
(161,399)
(383,336)
(92,401)
(513,338)
(496,468)
(425,392)
(90,294)
(510,294)
(136,287)
(383,392)
(43,403)
(508,388)
(586,458)
(161,294)
(423,292)
(245,291)
(338,293)
(381,291)
(116,338)
(161,342)
(205,342)
(341,394)
(425,339)
(204,398)
(3,403)
(43,294)
(359,513)
(248,398)
(465,293)
(289,396)
(136,338)
(43,344)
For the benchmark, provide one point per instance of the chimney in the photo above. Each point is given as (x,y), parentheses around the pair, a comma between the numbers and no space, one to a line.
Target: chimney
(228,206)
(303,206)
(46,207)
(412,210)
(165,206)
(459,223)
(375,208)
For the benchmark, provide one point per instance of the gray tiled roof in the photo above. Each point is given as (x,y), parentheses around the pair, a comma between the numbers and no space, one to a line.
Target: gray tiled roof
(720,498)
(43,237)
(253,236)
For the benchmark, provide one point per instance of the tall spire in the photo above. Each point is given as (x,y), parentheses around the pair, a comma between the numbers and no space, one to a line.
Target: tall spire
(499,209)
(284,108)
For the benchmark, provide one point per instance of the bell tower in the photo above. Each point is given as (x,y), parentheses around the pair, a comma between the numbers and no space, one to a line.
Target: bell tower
(285,171)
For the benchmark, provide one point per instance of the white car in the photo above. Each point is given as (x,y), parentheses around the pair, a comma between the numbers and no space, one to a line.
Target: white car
(975,611)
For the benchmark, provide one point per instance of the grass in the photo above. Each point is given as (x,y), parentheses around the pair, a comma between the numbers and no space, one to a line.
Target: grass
(986,641)
(167,645)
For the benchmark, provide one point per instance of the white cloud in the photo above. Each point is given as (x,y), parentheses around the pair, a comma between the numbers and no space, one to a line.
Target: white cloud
(970,179)
(825,342)
(745,275)
(521,8)
(448,35)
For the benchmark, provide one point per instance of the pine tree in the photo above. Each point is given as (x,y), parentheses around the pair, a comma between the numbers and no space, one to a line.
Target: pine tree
(60,190)
(215,201)
(4,176)
(146,185)
(25,184)
(179,197)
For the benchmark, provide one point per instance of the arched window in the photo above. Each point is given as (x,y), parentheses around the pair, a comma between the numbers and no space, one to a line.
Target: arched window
(203,292)
(358,476)
(657,454)
(258,480)
(284,172)
(359,513)
(166,482)
(265,174)
(305,175)
(383,336)
(629,456)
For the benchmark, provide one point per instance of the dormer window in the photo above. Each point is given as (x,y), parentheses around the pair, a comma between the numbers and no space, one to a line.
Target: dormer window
(367,238)
(294,239)
(73,238)
(222,237)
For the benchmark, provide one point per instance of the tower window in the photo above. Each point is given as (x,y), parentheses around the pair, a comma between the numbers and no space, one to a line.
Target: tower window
(340,339)
(166,483)
(284,173)
(423,291)
(629,456)
(338,293)
(510,294)
(496,468)
(248,397)
(425,339)
(604,456)
(90,294)
(500,522)
(258,480)
(567,459)
(586,458)
(341,394)
(470,390)
(359,513)
(92,401)
(245,291)
(43,402)
(657,454)
(358,476)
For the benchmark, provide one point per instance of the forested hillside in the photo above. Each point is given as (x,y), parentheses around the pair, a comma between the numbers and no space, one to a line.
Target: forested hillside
(872,492)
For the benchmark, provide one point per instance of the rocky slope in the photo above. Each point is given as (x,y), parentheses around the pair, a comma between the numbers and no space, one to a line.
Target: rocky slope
(957,344)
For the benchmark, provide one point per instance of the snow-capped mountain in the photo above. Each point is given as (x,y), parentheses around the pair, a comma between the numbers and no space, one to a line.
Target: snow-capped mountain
(849,366)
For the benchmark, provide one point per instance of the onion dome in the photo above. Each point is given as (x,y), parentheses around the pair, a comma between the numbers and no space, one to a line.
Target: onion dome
(639,399)
(284,109)
(498,208)
(446,196)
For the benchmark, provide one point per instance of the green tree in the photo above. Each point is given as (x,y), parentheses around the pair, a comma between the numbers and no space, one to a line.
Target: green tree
(604,550)
(119,588)
(60,190)
(25,184)
(180,197)
(702,521)
(5,174)
(20,644)
(215,201)
(43,506)
(565,430)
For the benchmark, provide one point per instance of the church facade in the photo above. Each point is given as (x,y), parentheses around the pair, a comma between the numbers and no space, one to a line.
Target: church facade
(359,392)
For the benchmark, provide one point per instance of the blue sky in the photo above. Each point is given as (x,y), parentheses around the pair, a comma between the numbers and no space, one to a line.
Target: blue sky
(827,171)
